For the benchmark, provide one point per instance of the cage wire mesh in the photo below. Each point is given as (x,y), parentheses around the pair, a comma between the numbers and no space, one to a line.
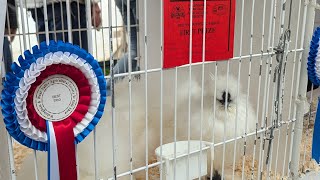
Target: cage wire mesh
(242,110)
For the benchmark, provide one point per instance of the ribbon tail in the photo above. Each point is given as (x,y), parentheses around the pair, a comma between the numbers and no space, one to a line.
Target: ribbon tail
(316,136)
(61,153)
(66,151)
(53,162)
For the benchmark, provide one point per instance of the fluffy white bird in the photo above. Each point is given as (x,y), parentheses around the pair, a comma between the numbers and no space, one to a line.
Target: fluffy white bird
(229,116)
(223,110)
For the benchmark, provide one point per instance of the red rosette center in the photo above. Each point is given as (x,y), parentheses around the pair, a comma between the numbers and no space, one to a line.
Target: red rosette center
(84,96)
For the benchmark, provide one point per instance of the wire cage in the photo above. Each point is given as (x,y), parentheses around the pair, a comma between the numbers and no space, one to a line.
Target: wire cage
(248,117)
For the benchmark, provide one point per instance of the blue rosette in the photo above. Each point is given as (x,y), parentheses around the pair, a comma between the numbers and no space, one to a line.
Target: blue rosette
(26,72)
(314,59)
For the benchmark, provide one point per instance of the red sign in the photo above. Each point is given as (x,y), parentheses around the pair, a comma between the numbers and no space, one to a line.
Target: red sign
(219,29)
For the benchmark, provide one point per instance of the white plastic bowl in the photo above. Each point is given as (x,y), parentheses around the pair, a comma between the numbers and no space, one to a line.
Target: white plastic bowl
(168,156)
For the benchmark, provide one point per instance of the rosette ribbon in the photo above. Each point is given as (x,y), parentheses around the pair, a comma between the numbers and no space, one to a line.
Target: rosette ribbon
(314,76)
(52,100)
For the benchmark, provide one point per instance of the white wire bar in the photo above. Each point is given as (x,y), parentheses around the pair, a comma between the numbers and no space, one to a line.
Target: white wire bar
(301,93)
(254,57)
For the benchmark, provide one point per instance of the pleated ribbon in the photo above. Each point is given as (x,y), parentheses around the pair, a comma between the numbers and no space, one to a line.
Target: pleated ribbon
(58,138)
(314,76)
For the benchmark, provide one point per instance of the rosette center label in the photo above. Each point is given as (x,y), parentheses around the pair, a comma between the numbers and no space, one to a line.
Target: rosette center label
(56,98)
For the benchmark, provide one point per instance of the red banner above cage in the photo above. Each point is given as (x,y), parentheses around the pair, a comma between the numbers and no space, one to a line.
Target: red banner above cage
(219,31)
